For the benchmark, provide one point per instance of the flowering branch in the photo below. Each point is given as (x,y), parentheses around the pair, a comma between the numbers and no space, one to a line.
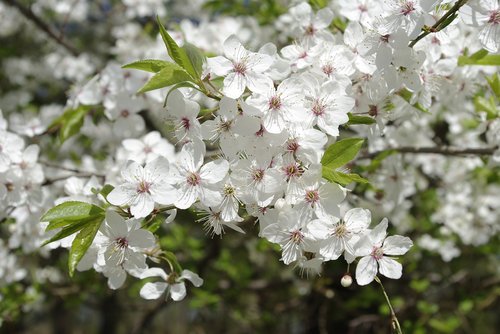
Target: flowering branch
(28,14)
(433,150)
(442,23)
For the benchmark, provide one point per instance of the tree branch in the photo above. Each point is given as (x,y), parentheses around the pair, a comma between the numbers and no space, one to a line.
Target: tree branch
(449,151)
(439,24)
(28,14)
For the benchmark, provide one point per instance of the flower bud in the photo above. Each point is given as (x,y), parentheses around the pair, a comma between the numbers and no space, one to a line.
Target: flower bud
(346,281)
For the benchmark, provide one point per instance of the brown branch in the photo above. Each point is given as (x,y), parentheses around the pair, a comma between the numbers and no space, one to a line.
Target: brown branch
(448,151)
(29,15)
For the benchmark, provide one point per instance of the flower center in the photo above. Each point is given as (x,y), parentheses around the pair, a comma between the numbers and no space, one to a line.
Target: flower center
(193,179)
(407,8)
(258,174)
(310,30)
(328,69)
(121,242)
(293,170)
(340,231)
(377,253)
(185,123)
(296,236)
(240,68)
(494,17)
(229,190)
(143,187)
(125,113)
(312,196)
(274,103)
(292,146)
(318,108)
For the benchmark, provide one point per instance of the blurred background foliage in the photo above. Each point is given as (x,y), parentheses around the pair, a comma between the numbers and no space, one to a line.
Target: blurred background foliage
(246,288)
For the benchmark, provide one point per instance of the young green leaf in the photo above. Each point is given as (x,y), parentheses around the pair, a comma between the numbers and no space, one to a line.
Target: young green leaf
(196,57)
(494,83)
(341,178)
(178,54)
(341,152)
(148,65)
(69,228)
(168,76)
(82,242)
(480,58)
(356,119)
(71,211)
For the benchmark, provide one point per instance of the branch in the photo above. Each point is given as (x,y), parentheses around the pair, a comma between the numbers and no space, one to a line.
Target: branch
(28,14)
(439,24)
(450,151)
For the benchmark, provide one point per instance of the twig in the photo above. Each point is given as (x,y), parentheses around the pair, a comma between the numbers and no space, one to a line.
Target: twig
(450,151)
(437,26)
(394,318)
(28,14)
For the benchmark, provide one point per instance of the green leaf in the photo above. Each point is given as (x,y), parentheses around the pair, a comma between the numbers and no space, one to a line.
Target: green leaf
(70,122)
(480,58)
(479,54)
(167,76)
(341,178)
(196,57)
(481,104)
(341,152)
(148,65)
(70,212)
(177,54)
(494,83)
(356,119)
(70,227)
(82,242)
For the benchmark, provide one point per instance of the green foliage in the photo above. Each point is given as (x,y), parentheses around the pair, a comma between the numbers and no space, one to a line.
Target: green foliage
(70,122)
(481,57)
(265,11)
(74,217)
(356,120)
(494,83)
(482,104)
(169,75)
(190,63)
(341,152)
(148,65)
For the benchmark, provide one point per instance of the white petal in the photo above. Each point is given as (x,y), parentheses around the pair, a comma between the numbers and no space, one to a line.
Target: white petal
(390,268)
(116,278)
(153,290)
(397,245)
(377,235)
(142,205)
(193,277)
(141,239)
(154,272)
(357,219)
(234,85)
(117,224)
(214,171)
(219,65)
(122,195)
(178,291)
(366,270)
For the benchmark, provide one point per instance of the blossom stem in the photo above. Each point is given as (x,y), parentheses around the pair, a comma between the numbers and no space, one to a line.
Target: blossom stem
(394,318)
(28,14)
(440,24)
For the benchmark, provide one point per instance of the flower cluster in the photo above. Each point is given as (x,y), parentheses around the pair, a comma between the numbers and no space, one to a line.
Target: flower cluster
(249,135)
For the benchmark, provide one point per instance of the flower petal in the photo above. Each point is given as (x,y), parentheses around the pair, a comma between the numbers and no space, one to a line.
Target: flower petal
(366,270)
